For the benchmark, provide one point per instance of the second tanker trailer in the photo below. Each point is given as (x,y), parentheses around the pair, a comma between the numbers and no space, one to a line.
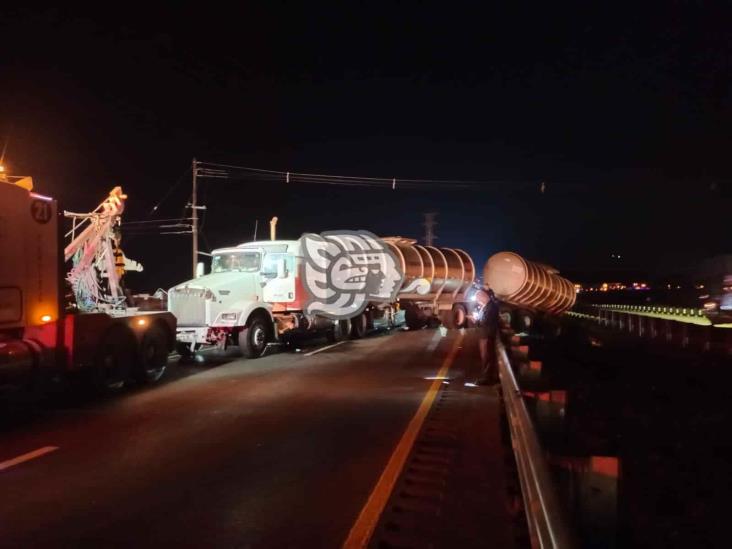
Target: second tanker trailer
(528,287)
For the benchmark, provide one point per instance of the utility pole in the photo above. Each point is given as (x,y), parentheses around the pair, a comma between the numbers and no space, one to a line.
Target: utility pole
(429,228)
(194,215)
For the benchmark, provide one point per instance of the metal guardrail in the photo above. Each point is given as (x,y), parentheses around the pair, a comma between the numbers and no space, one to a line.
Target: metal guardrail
(654,309)
(548,526)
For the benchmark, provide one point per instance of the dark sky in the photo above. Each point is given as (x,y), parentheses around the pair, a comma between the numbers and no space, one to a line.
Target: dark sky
(625,116)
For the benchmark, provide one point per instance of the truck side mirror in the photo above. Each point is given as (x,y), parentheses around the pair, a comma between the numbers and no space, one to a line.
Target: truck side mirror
(281,268)
(200,269)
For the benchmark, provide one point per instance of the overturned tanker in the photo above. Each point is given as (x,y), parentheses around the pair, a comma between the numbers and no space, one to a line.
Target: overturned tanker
(528,285)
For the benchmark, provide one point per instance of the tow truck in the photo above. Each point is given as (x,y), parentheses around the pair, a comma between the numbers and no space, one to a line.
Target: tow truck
(63,310)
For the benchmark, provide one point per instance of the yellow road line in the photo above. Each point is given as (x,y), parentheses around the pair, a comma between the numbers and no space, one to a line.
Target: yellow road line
(27,457)
(363,528)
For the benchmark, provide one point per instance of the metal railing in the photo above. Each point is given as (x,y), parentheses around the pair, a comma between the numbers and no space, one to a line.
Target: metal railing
(654,309)
(548,526)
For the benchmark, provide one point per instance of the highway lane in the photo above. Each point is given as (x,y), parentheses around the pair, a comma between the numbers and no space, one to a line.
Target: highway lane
(280,451)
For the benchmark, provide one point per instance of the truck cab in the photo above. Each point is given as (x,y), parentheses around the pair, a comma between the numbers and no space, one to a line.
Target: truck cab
(251,298)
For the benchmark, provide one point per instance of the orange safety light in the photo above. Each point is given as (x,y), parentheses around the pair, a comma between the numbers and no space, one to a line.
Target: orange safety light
(46,318)
(141,321)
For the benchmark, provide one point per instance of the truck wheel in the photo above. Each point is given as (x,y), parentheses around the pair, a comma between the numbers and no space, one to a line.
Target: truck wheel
(414,318)
(153,355)
(339,332)
(254,338)
(459,315)
(359,326)
(114,361)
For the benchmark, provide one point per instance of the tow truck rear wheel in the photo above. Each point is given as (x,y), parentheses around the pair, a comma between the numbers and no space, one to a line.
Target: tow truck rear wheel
(359,326)
(153,355)
(114,361)
(339,332)
(254,338)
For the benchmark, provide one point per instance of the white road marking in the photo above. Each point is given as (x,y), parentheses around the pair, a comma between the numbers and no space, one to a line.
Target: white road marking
(316,351)
(27,457)
(435,341)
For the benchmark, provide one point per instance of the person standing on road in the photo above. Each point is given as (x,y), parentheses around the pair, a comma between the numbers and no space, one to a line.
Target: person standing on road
(487,324)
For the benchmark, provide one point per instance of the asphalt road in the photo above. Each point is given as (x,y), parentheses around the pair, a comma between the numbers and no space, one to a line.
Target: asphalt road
(276,452)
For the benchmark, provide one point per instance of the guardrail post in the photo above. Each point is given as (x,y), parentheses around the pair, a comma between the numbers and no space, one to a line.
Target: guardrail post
(667,330)
(653,324)
(683,334)
(632,319)
(641,325)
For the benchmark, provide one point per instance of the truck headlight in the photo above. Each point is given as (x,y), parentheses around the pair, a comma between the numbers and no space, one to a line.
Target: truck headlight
(229,316)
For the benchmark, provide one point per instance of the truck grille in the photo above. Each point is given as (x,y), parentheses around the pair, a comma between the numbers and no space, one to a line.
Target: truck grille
(188,307)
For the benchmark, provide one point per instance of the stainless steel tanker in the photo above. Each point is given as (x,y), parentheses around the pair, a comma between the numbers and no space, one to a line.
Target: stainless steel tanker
(437,283)
(528,285)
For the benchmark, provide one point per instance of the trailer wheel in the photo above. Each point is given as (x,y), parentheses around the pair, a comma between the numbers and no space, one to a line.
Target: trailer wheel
(359,326)
(114,361)
(340,331)
(459,315)
(153,355)
(414,318)
(254,338)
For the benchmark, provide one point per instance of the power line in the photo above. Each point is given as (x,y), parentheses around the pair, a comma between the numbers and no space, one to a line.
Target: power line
(169,191)
(153,221)
(213,170)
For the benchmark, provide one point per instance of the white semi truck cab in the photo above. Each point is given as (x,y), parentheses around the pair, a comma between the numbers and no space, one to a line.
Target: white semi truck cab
(252,297)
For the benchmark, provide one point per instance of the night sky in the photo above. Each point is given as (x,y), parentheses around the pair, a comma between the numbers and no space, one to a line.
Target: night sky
(624,115)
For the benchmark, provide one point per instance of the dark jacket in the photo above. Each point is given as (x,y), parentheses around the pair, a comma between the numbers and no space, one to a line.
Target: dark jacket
(488,322)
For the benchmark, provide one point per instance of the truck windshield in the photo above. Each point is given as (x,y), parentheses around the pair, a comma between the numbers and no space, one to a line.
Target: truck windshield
(235,261)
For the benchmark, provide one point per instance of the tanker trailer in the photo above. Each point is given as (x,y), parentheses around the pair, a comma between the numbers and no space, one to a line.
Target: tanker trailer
(528,286)
(437,283)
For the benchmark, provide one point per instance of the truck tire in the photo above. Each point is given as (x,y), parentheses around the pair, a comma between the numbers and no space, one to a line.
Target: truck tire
(414,318)
(153,355)
(459,315)
(359,326)
(254,338)
(114,360)
(340,331)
